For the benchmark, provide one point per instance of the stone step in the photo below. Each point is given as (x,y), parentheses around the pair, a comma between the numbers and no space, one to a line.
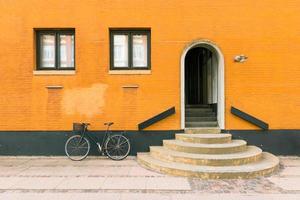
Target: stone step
(202,124)
(198,106)
(200,119)
(202,130)
(265,166)
(188,147)
(204,138)
(252,154)
(198,110)
(200,114)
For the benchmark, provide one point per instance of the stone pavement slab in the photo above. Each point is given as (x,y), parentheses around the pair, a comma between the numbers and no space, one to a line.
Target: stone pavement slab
(36,196)
(8,162)
(143,196)
(75,171)
(167,183)
(291,162)
(287,183)
(235,197)
(100,178)
(81,183)
(8,182)
(96,161)
(139,171)
(109,171)
(125,183)
(46,171)
(11,171)
(96,196)
(36,162)
(34,183)
(291,171)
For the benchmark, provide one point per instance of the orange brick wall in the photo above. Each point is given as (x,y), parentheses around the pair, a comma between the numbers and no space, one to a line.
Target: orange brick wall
(267,85)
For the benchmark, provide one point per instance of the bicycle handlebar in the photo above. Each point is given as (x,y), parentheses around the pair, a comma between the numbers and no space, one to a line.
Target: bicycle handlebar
(108,123)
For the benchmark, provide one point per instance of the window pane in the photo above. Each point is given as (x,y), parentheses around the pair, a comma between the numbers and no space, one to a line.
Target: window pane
(139,52)
(47,51)
(120,50)
(66,51)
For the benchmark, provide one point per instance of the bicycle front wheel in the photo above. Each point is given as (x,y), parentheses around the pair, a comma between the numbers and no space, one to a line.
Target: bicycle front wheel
(77,147)
(117,147)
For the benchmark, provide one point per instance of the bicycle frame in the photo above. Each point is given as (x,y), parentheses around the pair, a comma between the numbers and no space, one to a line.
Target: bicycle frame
(84,133)
(115,146)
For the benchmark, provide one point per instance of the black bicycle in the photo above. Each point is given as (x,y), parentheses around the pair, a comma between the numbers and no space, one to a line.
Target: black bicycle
(115,146)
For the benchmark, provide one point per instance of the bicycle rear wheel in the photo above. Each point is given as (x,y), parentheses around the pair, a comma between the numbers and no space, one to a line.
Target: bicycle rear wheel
(77,147)
(117,147)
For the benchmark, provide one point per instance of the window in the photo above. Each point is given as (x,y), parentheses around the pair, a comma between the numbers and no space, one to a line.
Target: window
(55,49)
(129,49)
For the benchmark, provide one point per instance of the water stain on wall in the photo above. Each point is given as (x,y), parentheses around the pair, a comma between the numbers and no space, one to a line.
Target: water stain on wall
(84,101)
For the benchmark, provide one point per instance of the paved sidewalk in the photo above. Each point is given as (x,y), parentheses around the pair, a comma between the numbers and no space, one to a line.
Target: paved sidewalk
(101,178)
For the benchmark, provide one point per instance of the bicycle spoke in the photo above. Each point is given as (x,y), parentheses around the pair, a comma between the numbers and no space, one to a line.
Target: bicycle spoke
(111,140)
(74,142)
(117,147)
(113,151)
(73,150)
(110,146)
(123,143)
(82,144)
(77,147)
(82,147)
(124,148)
(120,152)
(119,141)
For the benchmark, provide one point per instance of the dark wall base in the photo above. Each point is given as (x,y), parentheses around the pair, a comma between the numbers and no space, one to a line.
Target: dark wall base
(46,143)
(278,142)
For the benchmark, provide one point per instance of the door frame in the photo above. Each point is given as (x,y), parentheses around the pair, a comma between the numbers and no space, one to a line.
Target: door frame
(221,81)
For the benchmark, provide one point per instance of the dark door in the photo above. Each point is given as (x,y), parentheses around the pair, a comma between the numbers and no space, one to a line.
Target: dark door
(196,76)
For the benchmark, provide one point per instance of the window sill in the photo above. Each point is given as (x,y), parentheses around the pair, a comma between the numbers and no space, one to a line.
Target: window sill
(135,86)
(129,72)
(54,87)
(54,72)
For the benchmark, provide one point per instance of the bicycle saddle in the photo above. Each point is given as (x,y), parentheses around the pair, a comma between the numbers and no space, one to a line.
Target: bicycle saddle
(87,124)
(108,123)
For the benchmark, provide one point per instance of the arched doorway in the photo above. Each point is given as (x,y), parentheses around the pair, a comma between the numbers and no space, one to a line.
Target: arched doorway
(202,86)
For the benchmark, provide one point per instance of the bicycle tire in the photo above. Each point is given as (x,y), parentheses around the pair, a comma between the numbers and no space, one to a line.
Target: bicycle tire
(117,147)
(82,150)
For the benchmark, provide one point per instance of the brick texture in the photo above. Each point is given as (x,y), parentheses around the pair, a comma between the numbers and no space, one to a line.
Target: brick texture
(266,86)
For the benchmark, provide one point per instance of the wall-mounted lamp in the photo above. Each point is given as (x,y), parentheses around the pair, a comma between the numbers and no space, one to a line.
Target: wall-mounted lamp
(240,58)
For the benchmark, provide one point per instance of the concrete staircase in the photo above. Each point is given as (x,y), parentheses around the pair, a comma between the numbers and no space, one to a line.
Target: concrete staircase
(200,116)
(208,156)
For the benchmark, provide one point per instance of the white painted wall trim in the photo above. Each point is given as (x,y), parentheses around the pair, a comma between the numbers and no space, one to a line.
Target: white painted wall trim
(54,72)
(221,80)
(129,72)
